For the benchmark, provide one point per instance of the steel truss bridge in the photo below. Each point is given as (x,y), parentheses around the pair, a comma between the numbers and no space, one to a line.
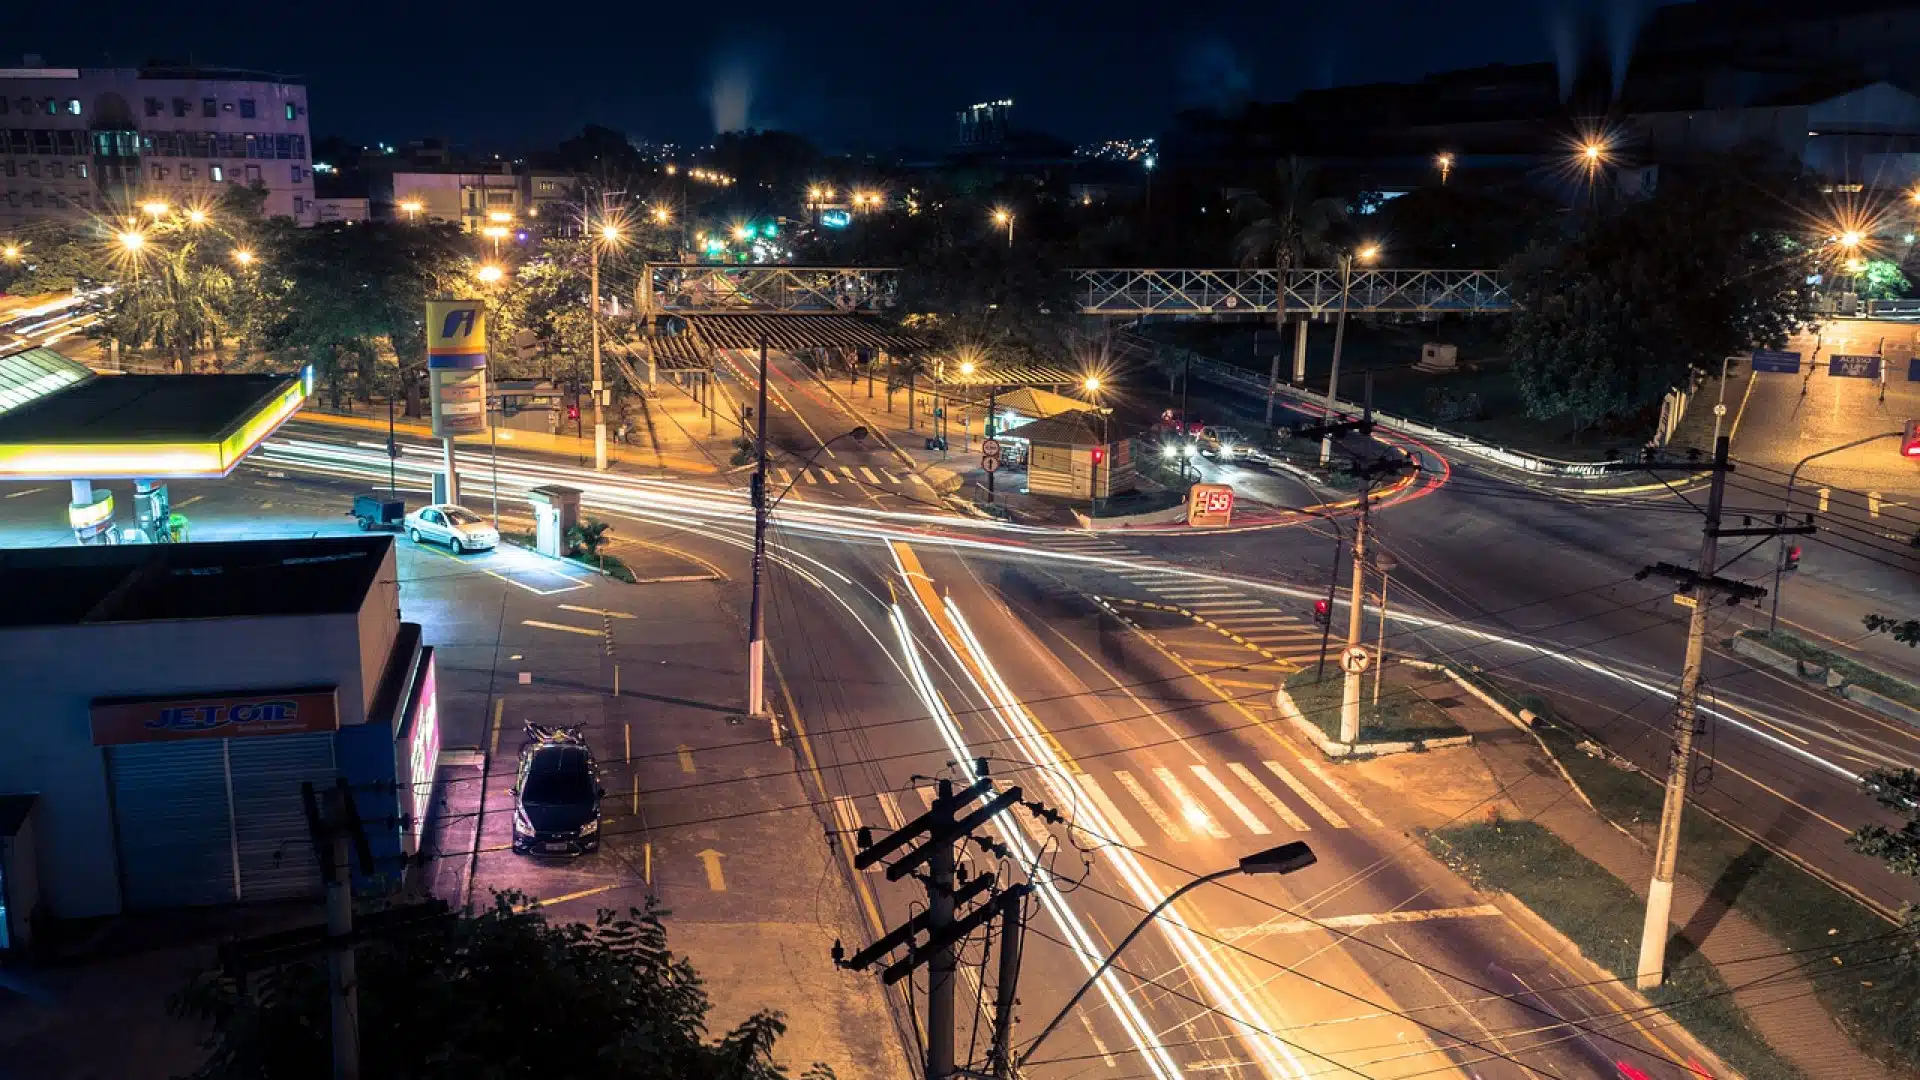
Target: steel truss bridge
(1306,292)
(679,288)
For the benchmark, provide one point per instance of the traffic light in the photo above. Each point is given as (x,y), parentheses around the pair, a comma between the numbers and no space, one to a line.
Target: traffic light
(1910,441)
(1322,612)
(1790,561)
(1099,454)
(573,411)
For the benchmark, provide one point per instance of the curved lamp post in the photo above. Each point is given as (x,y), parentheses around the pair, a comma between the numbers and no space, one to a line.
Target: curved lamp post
(1284,859)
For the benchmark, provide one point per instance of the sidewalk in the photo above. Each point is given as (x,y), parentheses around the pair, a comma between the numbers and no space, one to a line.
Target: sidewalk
(636,454)
(1771,988)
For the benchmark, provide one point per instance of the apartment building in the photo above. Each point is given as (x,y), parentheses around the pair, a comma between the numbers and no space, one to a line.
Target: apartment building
(81,142)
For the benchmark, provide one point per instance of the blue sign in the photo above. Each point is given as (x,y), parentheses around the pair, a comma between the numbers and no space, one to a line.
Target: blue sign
(1842,366)
(1913,369)
(1784,363)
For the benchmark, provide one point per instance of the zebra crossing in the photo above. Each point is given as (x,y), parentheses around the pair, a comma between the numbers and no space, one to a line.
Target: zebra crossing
(825,476)
(1155,806)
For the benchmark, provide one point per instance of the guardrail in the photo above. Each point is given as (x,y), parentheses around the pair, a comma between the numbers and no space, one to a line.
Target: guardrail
(1170,358)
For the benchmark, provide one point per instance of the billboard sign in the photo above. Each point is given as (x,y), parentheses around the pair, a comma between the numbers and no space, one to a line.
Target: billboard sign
(1210,505)
(457,366)
(119,721)
(1781,363)
(1842,366)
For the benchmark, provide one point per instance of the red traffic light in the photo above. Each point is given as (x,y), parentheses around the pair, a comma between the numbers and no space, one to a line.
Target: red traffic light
(1910,440)
(1099,454)
(1792,561)
(573,412)
(1322,611)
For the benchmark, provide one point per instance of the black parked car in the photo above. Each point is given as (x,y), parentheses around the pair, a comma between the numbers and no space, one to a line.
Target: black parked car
(556,794)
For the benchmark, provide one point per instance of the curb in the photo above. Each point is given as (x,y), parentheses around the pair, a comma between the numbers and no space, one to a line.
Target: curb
(1336,750)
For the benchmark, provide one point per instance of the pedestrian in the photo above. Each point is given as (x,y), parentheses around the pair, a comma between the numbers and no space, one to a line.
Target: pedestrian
(621,435)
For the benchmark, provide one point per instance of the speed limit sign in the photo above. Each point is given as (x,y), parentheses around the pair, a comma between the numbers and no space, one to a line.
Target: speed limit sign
(990,448)
(1355,659)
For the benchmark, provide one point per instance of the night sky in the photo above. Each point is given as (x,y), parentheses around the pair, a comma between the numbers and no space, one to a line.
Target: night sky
(500,77)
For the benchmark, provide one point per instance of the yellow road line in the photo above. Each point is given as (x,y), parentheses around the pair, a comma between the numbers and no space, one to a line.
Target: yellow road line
(536,902)
(560,626)
(595,611)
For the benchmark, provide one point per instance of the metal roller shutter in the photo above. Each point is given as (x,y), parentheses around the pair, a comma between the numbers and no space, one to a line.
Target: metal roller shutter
(270,820)
(170,812)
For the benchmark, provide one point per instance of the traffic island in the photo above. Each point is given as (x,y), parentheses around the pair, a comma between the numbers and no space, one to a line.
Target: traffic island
(1798,658)
(1404,714)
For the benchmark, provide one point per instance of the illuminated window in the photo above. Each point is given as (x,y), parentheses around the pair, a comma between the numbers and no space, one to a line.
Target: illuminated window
(217,174)
(73,106)
(290,111)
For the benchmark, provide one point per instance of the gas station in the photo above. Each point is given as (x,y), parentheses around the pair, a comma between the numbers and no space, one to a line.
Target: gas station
(61,421)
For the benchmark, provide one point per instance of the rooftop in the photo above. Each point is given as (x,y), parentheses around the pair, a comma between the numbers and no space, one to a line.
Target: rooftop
(70,586)
(142,408)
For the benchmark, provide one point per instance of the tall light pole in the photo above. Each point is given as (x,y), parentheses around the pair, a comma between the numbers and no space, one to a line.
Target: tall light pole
(1445,162)
(1786,507)
(1092,386)
(1365,254)
(1284,859)
(1004,216)
(607,234)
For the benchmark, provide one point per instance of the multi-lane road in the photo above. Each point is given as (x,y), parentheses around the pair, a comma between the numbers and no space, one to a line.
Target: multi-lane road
(911,645)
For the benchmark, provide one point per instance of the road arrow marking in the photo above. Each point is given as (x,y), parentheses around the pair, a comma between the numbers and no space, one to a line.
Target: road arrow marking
(716,881)
(686,757)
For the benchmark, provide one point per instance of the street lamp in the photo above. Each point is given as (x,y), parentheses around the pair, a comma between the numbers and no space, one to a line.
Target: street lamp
(1366,254)
(11,252)
(1284,859)
(411,208)
(608,235)
(499,217)
(661,215)
(1445,162)
(489,274)
(132,241)
(496,233)
(1003,216)
(243,256)
(155,209)
(1091,384)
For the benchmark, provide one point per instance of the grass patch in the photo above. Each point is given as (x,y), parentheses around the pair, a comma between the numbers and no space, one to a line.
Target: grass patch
(1798,909)
(1402,715)
(1602,916)
(1801,649)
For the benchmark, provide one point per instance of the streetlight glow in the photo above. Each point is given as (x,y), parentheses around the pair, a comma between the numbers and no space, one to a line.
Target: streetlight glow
(966,367)
(411,207)
(1001,216)
(197,216)
(243,256)
(610,233)
(661,215)
(1092,384)
(499,216)
(1851,238)
(11,252)
(154,209)
(741,232)
(489,274)
(132,241)
(1369,253)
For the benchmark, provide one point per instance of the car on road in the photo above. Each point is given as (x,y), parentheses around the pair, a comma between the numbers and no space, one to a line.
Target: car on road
(1222,443)
(556,794)
(455,526)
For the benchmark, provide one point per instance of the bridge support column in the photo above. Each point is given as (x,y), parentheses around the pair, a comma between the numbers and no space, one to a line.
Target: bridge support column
(1300,352)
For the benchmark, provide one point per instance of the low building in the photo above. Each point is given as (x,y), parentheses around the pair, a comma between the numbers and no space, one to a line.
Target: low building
(171,700)
(1075,455)
(474,197)
(77,142)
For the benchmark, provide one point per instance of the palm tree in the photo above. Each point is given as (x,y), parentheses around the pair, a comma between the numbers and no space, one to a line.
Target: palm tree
(1290,223)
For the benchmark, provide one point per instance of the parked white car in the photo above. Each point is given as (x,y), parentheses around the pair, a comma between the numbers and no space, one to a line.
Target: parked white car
(455,526)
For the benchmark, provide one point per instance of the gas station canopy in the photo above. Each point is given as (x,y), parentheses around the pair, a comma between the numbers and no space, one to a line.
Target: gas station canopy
(61,421)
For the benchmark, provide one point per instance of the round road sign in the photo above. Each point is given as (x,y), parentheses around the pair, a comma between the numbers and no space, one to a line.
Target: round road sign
(1355,659)
(990,448)
(991,464)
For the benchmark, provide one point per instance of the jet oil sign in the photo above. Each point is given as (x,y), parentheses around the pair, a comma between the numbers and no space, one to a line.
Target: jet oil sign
(118,721)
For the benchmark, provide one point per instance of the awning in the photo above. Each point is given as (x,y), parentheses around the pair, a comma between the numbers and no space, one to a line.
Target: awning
(790,332)
(675,352)
(1011,375)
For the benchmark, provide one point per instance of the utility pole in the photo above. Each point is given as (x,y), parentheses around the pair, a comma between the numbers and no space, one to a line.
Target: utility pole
(1698,588)
(756,618)
(332,829)
(1000,1055)
(1356,612)
(597,236)
(941,828)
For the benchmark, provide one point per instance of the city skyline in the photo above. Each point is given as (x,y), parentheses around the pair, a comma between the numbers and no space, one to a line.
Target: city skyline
(376,74)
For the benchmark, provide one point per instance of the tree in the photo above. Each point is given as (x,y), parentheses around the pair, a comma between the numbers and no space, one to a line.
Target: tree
(588,537)
(1905,631)
(1289,221)
(500,993)
(1881,279)
(1609,321)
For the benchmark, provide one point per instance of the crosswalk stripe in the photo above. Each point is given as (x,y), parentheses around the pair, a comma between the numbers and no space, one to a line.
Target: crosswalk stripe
(1227,605)
(918,479)
(1306,795)
(1224,794)
(891,479)
(1242,684)
(807,475)
(1302,634)
(827,475)
(1198,591)
(891,808)
(868,473)
(1255,620)
(785,476)
(1340,789)
(1035,829)
(1145,799)
(1190,807)
(1128,835)
(1264,794)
